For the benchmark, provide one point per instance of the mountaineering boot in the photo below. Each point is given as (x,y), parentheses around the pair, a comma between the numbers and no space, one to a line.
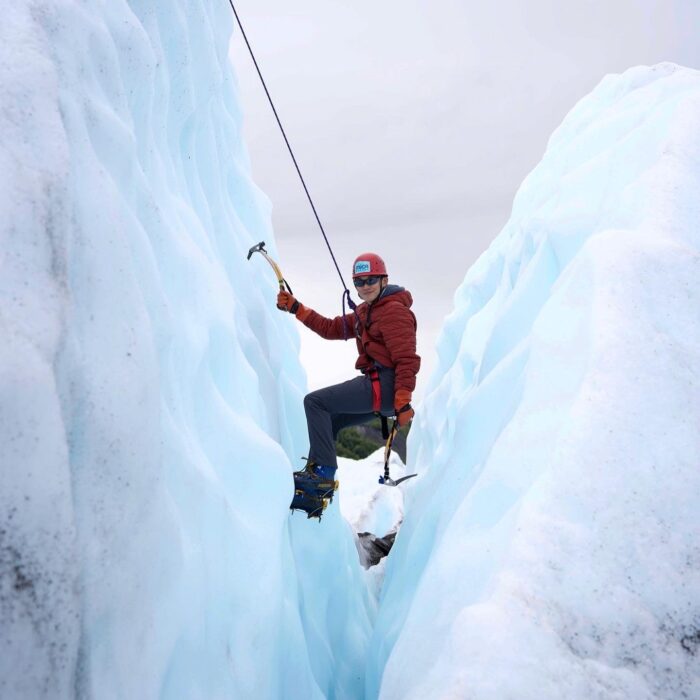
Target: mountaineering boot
(325,481)
(318,479)
(314,487)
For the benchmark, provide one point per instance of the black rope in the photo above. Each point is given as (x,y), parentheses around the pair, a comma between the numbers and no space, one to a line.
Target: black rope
(291,153)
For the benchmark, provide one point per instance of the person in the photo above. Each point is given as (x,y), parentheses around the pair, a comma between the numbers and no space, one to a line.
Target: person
(384,328)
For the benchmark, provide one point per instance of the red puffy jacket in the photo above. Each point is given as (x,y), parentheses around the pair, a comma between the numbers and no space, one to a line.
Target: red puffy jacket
(385,333)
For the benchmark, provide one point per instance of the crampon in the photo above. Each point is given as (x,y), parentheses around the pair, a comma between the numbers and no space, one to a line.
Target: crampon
(314,488)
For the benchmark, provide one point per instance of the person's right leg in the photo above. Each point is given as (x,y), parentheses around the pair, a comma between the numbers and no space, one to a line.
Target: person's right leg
(327,411)
(323,409)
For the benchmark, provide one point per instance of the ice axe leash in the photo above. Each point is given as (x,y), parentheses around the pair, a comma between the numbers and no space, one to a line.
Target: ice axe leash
(386,480)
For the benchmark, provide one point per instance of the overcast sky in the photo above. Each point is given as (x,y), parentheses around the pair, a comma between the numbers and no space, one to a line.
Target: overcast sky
(414,124)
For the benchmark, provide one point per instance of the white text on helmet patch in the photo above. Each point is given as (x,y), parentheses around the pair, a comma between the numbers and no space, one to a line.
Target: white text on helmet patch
(362,266)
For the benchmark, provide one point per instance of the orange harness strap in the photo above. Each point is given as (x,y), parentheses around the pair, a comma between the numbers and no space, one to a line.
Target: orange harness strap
(376,389)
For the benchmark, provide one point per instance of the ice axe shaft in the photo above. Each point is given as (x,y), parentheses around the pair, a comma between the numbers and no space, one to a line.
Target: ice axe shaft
(260,248)
(386,479)
(387,450)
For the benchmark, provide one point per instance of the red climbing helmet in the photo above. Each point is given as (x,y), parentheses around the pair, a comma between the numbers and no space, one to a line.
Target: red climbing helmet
(368,264)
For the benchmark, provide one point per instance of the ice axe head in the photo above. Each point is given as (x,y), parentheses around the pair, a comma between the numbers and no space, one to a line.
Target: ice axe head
(260,248)
(257,248)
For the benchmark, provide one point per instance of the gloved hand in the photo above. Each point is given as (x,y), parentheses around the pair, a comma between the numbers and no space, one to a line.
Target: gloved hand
(406,416)
(286,302)
(402,407)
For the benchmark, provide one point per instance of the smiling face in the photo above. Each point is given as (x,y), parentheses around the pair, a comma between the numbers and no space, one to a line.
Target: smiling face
(369,292)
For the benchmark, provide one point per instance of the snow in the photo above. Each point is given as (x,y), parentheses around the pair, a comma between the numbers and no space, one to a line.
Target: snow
(550,547)
(151,404)
(364,503)
(150,393)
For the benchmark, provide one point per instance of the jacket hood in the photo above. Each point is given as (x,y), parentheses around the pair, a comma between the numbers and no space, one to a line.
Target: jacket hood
(396,293)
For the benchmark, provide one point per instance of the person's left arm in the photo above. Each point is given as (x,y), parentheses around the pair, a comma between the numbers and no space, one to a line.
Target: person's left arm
(399,334)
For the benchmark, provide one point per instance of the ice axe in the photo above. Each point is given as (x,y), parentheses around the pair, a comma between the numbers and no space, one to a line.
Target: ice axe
(260,248)
(386,479)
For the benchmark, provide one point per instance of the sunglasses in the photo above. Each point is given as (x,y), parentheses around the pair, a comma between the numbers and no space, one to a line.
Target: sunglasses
(362,281)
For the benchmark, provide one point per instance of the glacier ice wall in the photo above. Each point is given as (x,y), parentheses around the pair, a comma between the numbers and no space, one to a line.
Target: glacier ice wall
(550,548)
(150,394)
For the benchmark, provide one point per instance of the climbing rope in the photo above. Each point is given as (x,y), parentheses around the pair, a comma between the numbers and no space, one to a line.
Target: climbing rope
(346,293)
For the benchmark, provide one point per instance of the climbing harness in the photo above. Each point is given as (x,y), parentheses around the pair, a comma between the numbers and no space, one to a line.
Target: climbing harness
(346,292)
(386,479)
(373,374)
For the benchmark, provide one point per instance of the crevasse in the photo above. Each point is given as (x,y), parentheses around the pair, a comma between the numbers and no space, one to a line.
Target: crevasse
(150,403)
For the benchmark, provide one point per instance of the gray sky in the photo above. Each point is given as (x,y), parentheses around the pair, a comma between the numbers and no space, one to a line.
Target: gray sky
(415,122)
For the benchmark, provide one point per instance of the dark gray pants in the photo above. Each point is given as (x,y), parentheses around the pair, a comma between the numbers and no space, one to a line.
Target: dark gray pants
(332,408)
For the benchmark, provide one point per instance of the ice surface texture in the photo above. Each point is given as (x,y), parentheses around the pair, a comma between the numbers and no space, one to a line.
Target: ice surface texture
(550,548)
(150,403)
(150,393)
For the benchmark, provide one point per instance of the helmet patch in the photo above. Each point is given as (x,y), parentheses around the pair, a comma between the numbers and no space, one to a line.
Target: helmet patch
(362,267)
